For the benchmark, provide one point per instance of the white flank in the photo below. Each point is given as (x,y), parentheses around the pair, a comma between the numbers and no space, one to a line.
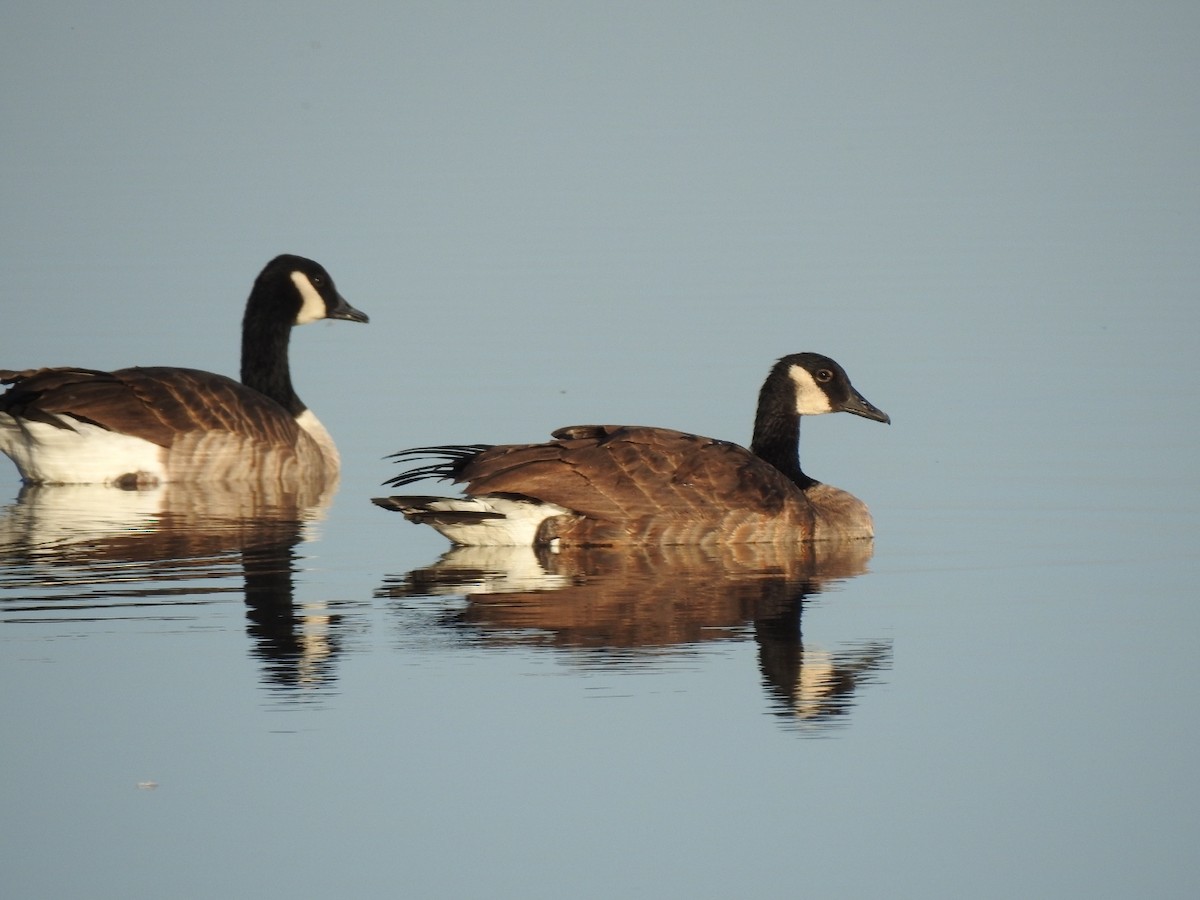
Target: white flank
(518,527)
(313,306)
(78,454)
(811,399)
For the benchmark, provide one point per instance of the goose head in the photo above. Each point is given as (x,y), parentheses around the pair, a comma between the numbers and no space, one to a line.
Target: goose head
(802,384)
(819,385)
(297,291)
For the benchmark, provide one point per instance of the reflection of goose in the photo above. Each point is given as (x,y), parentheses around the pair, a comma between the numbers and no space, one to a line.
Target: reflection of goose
(145,426)
(100,551)
(810,684)
(615,605)
(488,570)
(612,485)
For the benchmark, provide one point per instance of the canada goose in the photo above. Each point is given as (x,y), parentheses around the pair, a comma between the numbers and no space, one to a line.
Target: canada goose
(138,427)
(617,484)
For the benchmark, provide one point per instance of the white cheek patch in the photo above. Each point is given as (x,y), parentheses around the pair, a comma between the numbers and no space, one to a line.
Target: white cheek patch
(312,306)
(811,399)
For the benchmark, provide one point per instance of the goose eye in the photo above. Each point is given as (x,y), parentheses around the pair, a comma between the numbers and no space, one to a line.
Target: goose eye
(824,375)
(317,280)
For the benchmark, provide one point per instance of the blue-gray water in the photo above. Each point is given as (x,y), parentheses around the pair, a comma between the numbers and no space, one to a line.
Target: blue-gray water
(618,213)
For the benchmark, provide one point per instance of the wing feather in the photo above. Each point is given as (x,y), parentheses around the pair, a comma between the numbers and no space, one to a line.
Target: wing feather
(630,472)
(154,403)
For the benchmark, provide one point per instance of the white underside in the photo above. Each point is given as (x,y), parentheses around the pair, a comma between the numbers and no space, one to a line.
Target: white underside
(518,528)
(81,453)
(77,454)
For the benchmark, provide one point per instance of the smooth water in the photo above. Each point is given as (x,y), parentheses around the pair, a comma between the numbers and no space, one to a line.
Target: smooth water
(305,703)
(565,213)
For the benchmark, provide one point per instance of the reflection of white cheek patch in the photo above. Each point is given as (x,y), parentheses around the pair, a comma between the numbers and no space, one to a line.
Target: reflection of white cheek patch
(312,306)
(810,398)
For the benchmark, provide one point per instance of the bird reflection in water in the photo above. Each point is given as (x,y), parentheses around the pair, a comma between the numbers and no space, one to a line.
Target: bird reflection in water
(103,553)
(626,606)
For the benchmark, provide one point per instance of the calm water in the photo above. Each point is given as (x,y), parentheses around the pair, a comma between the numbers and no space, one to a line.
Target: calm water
(308,701)
(620,213)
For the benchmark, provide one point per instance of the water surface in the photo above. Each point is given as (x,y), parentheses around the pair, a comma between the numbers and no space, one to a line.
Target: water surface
(562,214)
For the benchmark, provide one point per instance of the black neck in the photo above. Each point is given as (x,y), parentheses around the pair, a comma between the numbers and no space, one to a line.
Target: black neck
(777,430)
(265,358)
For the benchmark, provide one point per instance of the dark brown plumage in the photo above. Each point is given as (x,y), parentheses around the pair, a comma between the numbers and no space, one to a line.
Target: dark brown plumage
(610,484)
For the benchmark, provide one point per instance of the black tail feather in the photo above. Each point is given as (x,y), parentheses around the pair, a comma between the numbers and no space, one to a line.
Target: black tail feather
(449,461)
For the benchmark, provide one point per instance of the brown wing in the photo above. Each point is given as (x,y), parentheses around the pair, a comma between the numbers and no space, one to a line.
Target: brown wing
(154,403)
(644,481)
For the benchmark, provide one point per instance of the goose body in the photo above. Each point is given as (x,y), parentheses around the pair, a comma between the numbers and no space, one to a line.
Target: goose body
(620,484)
(142,426)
